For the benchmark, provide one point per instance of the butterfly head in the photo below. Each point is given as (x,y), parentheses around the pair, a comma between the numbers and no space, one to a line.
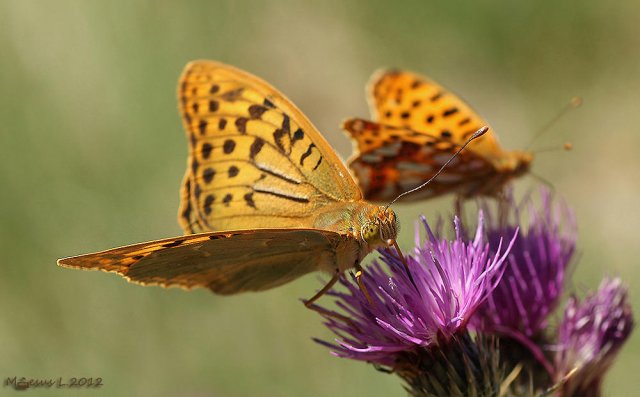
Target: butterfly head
(380,226)
(514,163)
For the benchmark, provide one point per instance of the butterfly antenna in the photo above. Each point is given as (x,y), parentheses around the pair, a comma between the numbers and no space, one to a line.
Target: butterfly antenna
(574,103)
(542,180)
(475,135)
(567,146)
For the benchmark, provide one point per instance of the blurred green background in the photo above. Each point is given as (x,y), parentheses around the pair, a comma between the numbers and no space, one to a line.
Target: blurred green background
(93,153)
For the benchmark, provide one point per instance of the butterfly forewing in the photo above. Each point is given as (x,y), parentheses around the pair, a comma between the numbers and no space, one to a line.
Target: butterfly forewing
(405,99)
(226,263)
(255,160)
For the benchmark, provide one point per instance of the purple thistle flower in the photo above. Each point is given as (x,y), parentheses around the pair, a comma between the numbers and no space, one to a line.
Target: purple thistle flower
(452,278)
(533,282)
(590,336)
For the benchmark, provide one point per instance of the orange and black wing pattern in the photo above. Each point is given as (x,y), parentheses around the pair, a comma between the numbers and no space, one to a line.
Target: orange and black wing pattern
(417,125)
(224,262)
(399,159)
(255,160)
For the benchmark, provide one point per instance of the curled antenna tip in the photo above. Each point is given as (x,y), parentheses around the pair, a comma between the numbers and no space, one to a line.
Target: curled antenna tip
(576,101)
(568,146)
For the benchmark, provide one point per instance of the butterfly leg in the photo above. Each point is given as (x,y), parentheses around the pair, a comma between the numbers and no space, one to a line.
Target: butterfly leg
(308,303)
(404,262)
(363,288)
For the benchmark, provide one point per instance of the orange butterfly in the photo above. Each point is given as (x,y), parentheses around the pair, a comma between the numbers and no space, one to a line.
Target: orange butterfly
(267,196)
(417,126)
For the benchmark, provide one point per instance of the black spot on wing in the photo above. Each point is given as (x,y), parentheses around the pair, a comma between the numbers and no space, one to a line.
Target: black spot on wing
(241,124)
(206,150)
(268,103)
(278,137)
(228,146)
(227,199)
(233,171)
(186,213)
(208,202)
(202,126)
(298,135)
(307,153)
(436,96)
(248,198)
(174,243)
(208,174)
(286,123)
(318,163)
(255,111)
(450,112)
(255,148)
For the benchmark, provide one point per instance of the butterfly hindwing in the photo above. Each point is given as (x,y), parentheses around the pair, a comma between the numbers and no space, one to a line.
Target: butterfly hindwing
(255,160)
(226,263)
(392,160)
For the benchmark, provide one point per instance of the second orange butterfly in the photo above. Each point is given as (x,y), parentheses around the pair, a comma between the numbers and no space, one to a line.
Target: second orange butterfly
(417,125)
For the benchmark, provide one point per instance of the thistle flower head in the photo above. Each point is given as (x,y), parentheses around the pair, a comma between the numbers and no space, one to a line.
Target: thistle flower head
(533,282)
(590,336)
(400,312)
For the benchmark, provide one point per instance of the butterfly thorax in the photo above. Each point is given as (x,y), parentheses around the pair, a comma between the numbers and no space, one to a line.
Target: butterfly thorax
(371,226)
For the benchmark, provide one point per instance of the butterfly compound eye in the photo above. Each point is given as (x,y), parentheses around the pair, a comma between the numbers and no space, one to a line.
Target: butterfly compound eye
(370,232)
